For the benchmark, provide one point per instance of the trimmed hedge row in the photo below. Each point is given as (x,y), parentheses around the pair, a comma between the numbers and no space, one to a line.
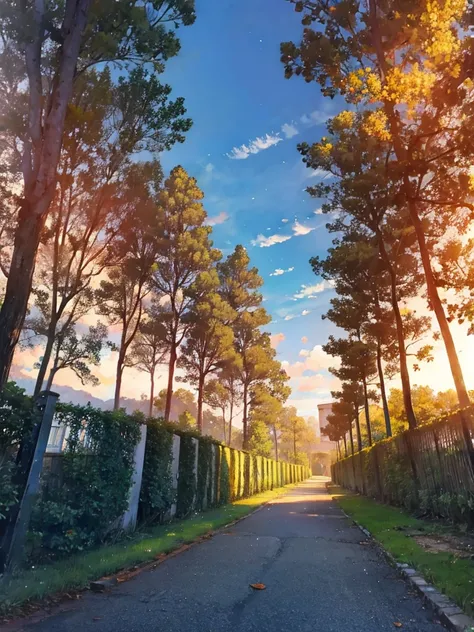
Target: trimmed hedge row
(85,490)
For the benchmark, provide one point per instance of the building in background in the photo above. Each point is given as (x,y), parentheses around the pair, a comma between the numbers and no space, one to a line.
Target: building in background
(323,411)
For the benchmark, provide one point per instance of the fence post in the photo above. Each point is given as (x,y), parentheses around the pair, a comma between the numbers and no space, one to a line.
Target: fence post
(13,540)
(129,518)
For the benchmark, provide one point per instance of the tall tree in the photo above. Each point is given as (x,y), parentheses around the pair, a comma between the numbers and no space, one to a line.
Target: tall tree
(149,349)
(239,285)
(357,366)
(209,342)
(410,67)
(50,47)
(216,395)
(184,252)
(121,296)
(76,351)
(106,126)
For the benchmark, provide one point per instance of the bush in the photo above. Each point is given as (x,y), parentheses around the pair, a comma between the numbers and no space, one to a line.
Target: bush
(187,483)
(18,415)
(157,494)
(96,480)
(204,484)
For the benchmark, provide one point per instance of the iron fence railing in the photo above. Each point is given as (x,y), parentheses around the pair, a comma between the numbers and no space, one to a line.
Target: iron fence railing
(429,469)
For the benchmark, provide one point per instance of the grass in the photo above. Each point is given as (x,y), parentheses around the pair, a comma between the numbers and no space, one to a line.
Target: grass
(77,571)
(452,575)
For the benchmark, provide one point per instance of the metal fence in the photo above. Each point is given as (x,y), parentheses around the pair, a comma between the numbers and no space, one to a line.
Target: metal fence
(429,470)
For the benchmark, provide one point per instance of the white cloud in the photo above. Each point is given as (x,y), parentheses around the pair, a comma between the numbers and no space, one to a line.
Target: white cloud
(314,383)
(305,312)
(275,339)
(318,211)
(280,271)
(285,221)
(318,173)
(315,360)
(289,130)
(309,291)
(304,340)
(304,353)
(289,317)
(217,219)
(271,240)
(254,146)
(209,168)
(299,229)
(317,117)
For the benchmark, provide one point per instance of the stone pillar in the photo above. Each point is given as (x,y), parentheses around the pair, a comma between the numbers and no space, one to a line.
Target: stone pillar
(195,443)
(212,499)
(129,518)
(174,473)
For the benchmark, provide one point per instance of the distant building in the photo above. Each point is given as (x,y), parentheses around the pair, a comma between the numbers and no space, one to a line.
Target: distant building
(323,411)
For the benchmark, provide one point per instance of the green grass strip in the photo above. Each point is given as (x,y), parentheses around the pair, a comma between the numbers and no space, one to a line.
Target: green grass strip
(75,572)
(453,575)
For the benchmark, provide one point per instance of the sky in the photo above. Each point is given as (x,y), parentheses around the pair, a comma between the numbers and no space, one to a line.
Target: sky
(242,148)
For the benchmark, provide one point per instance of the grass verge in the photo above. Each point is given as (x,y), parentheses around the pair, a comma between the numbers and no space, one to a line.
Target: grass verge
(75,572)
(453,575)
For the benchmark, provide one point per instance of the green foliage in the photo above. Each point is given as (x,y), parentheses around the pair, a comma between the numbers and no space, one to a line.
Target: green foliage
(187,484)
(225,478)
(97,474)
(260,440)
(18,414)
(204,483)
(157,494)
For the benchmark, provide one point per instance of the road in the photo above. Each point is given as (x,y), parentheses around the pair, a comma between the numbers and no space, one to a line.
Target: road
(320,572)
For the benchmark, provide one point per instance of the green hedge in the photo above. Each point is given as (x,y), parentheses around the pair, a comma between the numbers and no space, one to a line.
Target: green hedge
(97,470)
(157,494)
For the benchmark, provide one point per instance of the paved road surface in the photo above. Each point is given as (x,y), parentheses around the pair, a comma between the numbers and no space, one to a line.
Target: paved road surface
(319,577)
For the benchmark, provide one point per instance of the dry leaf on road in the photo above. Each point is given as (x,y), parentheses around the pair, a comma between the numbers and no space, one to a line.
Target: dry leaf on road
(258,586)
(397,624)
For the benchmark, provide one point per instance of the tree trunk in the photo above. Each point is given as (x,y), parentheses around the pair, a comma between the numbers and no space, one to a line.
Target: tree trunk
(17,292)
(357,423)
(404,374)
(366,411)
(231,416)
(351,439)
(41,154)
(383,393)
(52,373)
(244,419)
(45,361)
(223,425)
(346,454)
(275,439)
(118,379)
(169,392)
(433,294)
(199,403)
(294,445)
(152,394)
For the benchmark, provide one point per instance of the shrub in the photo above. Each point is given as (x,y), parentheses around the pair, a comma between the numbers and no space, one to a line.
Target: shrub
(157,494)
(96,480)
(187,483)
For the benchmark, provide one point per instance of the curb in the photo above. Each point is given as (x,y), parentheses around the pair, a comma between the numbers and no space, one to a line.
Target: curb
(449,613)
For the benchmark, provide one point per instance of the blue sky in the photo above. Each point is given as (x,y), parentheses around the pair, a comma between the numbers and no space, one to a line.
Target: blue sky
(230,74)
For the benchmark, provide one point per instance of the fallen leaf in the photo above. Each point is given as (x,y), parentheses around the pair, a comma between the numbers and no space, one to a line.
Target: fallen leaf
(258,586)
(397,624)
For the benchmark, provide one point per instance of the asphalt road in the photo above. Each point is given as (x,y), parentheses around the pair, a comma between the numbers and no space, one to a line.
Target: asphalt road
(320,572)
